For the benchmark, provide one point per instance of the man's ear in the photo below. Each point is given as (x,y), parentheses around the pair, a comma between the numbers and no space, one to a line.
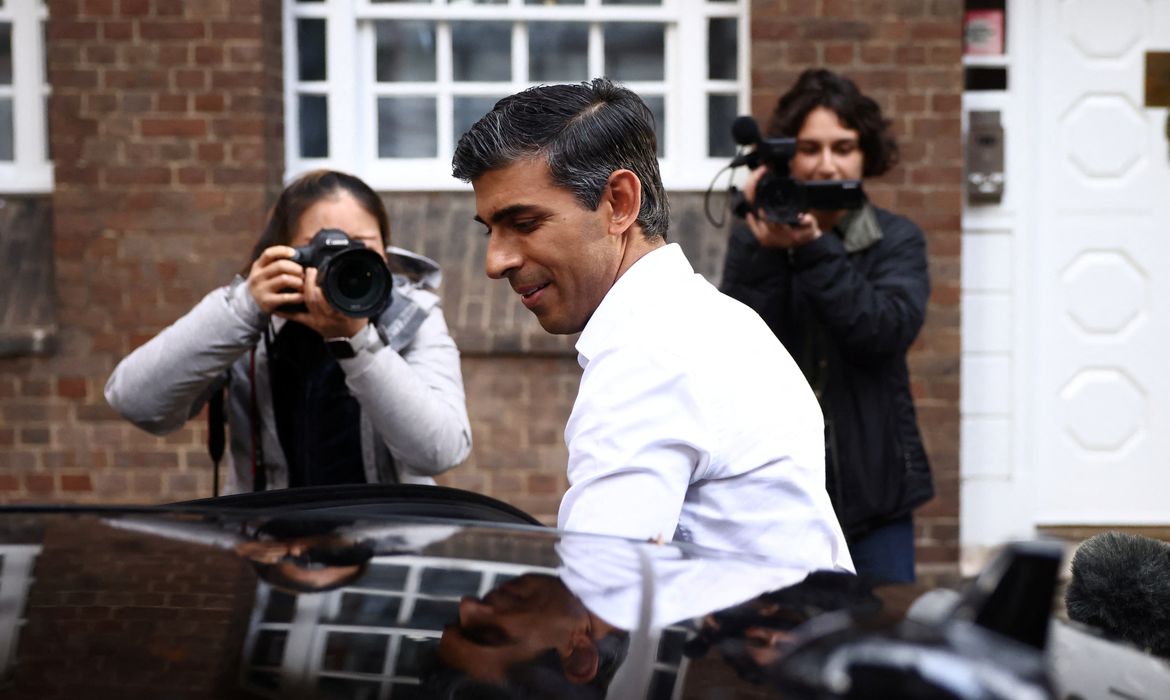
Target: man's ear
(580,660)
(623,193)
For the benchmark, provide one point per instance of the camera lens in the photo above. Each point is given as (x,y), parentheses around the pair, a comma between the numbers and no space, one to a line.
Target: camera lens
(357,283)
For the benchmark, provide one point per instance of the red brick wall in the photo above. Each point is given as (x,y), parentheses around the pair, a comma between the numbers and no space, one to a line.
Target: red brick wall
(109,618)
(907,55)
(167,137)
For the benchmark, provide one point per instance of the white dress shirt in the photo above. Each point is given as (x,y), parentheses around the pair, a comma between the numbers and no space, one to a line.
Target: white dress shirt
(692,422)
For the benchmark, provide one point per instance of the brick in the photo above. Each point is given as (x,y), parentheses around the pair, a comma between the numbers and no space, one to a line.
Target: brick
(97,8)
(71,387)
(70,30)
(133,7)
(117,30)
(39,484)
(171,30)
(174,126)
(76,483)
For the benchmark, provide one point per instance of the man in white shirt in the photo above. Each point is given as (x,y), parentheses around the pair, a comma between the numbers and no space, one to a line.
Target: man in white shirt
(692,422)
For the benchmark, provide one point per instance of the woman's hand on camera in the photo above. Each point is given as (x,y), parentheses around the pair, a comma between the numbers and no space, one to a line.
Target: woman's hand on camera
(322,317)
(275,280)
(771,234)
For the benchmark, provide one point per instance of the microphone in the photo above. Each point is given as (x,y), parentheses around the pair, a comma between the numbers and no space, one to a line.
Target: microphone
(745,131)
(1120,584)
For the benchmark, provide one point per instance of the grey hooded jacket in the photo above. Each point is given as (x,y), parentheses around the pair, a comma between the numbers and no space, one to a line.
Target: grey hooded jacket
(406,377)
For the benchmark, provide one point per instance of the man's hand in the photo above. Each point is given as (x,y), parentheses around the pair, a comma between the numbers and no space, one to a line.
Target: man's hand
(771,234)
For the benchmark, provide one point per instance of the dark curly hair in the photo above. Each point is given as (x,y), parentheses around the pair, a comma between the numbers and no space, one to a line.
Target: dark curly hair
(817,87)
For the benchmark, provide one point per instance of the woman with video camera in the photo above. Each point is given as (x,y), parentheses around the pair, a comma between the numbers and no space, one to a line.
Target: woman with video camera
(846,290)
(335,372)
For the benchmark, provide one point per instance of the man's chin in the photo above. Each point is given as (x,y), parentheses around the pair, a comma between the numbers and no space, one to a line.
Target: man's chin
(559,326)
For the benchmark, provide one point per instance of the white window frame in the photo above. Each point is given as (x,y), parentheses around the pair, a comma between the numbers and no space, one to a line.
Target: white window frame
(16,567)
(306,635)
(30,172)
(352,92)
(308,632)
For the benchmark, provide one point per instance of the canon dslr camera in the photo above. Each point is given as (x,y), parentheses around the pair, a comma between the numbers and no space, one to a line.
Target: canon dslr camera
(779,197)
(354,279)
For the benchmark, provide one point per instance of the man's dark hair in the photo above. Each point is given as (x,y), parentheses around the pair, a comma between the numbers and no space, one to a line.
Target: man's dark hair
(817,87)
(583,131)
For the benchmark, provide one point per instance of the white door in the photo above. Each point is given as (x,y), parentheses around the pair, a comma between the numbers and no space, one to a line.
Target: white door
(1100,317)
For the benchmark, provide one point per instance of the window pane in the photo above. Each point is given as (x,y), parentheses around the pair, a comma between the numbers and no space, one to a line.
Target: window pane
(657,105)
(405,51)
(365,609)
(5,53)
(314,126)
(722,51)
(468,110)
(348,651)
(631,2)
(406,127)
(6,152)
(408,656)
(554,2)
(721,112)
(387,576)
(281,607)
(478,2)
(634,51)
(481,51)
(449,582)
(434,614)
(269,649)
(558,51)
(311,49)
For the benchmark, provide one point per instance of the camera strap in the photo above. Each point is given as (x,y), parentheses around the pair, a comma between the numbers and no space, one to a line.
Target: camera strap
(215,436)
(259,476)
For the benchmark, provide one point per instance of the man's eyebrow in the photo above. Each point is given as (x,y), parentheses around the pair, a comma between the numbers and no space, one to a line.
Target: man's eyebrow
(509,212)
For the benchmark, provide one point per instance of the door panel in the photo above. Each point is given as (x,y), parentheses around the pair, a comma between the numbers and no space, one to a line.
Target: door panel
(1102,256)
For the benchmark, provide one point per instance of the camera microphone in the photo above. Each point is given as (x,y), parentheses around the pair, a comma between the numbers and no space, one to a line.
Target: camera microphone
(745,131)
(1120,584)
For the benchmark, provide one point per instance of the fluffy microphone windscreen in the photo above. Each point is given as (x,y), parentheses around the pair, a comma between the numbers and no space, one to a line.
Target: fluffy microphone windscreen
(1120,584)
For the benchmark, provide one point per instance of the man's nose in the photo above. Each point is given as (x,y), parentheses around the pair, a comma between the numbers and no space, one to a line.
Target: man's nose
(500,258)
(472,610)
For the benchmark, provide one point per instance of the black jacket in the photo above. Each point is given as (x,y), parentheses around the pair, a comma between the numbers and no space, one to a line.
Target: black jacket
(848,318)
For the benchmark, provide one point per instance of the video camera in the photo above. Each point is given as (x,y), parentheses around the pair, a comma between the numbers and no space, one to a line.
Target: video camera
(353,278)
(779,197)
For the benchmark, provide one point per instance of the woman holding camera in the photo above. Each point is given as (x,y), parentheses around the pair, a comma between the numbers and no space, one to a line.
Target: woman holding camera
(846,292)
(315,396)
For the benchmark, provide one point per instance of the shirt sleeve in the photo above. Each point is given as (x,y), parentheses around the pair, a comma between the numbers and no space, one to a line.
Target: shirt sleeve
(415,400)
(164,382)
(635,440)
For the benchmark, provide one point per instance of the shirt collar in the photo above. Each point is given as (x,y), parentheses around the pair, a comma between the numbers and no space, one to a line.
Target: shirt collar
(859,229)
(643,282)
